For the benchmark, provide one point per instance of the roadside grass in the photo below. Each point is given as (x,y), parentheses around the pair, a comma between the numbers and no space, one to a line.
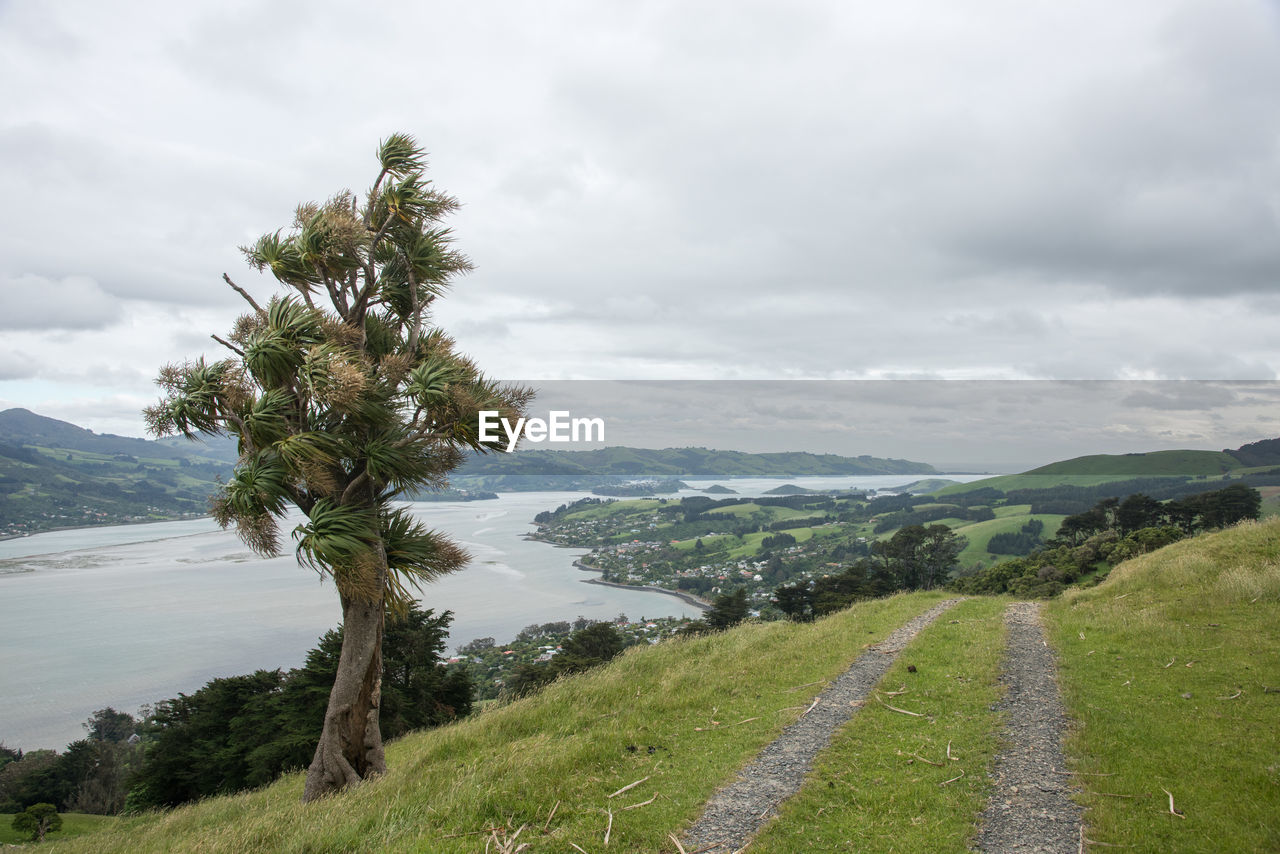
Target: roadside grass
(681,716)
(73,824)
(876,788)
(1170,667)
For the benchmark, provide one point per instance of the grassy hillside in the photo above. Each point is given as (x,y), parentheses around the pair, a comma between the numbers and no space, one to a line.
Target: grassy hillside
(685,715)
(73,824)
(1145,465)
(1172,669)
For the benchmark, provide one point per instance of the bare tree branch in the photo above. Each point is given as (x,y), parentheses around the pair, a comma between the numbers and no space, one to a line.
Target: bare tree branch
(228,345)
(243,293)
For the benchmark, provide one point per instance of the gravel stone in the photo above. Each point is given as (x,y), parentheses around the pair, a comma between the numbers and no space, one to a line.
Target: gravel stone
(737,812)
(1030,809)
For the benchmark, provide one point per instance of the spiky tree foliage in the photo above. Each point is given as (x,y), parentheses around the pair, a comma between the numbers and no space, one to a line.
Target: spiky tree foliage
(343,397)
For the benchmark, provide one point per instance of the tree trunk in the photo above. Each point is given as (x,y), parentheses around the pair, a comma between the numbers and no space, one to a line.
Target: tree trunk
(350,747)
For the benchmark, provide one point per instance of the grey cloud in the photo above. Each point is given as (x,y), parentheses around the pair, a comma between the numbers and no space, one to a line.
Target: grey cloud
(773,190)
(74,302)
(1181,396)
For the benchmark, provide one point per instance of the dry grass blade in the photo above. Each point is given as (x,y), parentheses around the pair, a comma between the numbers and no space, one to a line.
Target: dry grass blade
(550,816)
(1172,809)
(896,709)
(629,786)
(810,709)
(1232,697)
(929,761)
(642,803)
(672,836)
(575,845)
(608,830)
(902,689)
(953,779)
(1171,661)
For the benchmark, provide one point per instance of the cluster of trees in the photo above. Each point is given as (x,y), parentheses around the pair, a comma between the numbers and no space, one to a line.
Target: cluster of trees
(245,731)
(727,610)
(587,647)
(910,518)
(1026,540)
(1109,532)
(91,776)
(1197,512)
(236,732)
(914,558)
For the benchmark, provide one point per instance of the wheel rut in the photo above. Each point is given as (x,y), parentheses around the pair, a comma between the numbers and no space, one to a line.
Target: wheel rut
(737,812)
(1030,808)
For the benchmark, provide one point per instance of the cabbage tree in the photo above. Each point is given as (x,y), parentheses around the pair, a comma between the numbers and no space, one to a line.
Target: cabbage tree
(344,398)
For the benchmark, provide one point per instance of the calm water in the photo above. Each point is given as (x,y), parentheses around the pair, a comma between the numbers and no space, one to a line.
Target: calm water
(128,615)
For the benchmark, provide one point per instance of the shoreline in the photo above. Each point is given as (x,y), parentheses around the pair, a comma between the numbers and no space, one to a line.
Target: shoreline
(6,537)
(688,598)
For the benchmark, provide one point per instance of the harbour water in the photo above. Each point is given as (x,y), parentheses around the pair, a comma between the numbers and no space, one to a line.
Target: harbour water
(127,615)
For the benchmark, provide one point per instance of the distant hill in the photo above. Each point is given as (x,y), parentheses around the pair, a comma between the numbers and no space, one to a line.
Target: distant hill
(689,462)
(921,487)
(1250,463)
(1146,465)
(24,427)
(54,474)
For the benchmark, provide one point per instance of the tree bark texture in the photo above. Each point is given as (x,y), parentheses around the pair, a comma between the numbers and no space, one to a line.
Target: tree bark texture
(350,747)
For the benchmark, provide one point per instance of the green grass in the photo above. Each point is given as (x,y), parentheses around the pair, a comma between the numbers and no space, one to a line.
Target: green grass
(73,824)
(750,543)
(868,792)
(614,508)
(706,706)
(979,535)
(1165,667)
(1006,482)
(1179,462)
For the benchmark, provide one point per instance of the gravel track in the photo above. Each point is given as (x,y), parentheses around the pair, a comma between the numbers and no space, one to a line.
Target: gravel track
(737,812)
(1030,809)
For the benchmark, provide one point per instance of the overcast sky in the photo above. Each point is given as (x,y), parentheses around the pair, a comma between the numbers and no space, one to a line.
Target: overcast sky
(672,191)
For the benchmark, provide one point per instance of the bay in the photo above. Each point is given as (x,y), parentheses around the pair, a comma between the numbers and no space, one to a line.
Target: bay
(128,615)
(133,614)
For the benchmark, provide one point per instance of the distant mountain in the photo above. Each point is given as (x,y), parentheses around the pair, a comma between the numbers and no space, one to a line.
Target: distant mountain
(54,474)
(1154,463)
(688,462)
(921,487)
(1255,464)
(24,427)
